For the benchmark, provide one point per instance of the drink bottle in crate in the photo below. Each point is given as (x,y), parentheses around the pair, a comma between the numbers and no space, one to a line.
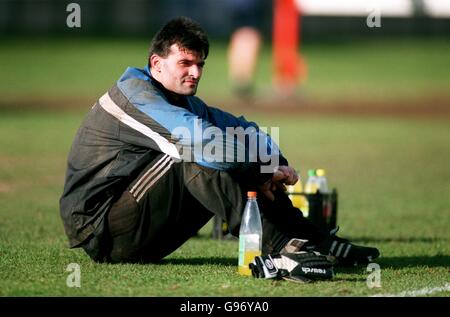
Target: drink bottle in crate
(295,193)
(320,203)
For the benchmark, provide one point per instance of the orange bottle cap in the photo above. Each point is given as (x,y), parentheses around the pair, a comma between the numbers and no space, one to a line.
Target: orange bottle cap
(251,194)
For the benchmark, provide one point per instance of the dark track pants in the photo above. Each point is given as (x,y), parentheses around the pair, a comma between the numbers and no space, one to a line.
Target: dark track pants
(169,202)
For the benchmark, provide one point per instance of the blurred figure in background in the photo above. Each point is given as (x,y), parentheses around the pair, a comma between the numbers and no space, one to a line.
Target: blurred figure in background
(245,45)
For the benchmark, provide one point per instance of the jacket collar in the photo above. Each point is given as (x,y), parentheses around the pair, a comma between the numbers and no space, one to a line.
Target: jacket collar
(181,102)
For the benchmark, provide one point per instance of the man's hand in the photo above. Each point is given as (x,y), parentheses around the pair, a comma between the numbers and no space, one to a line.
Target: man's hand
(283,175)
(290,173)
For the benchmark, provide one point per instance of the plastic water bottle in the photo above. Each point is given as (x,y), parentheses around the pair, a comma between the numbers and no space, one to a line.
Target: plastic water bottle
(250,235)
(322,181)
(311,185)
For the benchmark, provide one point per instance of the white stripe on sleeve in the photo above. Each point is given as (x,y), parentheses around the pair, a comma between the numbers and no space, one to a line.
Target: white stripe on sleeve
(110,106)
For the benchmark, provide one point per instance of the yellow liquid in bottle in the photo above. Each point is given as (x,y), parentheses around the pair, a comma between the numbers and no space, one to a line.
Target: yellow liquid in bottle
(298,201)
(249,257)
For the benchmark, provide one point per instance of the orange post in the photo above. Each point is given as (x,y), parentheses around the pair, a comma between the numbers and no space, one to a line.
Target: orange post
(289,67)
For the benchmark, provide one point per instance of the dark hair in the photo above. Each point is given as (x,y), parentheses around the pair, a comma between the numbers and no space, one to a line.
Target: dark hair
(185,32)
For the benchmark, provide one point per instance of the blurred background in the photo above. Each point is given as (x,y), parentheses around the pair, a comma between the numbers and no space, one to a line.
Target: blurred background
(305,66)
(358,88)
(337,79)
(324,54)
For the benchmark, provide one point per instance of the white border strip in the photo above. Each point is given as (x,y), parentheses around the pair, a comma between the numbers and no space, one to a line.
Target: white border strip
(437,9)
(361,8)
(166,147)
(419,292)
(387,8)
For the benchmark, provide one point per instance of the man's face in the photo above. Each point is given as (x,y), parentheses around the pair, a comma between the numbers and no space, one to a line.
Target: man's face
(180,71)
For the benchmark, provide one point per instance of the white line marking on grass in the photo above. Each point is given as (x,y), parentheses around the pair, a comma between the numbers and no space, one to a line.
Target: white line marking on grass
(418,292)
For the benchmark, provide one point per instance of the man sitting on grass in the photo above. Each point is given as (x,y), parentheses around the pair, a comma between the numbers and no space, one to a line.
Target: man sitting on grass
(151,164)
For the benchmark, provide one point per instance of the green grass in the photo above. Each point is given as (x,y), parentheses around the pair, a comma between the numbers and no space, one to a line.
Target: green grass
(392,176)
(367,70)
(378,70)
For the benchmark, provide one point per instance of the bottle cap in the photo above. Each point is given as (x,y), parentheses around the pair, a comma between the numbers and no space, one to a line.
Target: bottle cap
(320,172)
(251,194)
(311,172)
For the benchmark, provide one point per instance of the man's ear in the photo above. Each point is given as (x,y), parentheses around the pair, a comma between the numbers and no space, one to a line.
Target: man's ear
(155,62)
